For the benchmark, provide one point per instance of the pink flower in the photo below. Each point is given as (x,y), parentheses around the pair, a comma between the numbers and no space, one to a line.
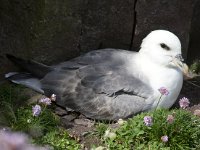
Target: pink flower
(164,138)
(148,121)
(46,101)
(170,119)
(184,102)
(163,91)
(14,140)
(36,110)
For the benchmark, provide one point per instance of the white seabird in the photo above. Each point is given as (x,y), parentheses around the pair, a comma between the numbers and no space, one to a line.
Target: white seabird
(111,83)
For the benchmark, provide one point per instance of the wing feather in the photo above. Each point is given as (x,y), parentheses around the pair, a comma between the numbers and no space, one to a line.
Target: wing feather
(99,90)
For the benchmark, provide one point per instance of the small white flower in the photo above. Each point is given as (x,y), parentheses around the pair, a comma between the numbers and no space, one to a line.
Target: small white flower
(121,121)
(28,120)
(99,148)
(109,134)
(53,97)
(106,133)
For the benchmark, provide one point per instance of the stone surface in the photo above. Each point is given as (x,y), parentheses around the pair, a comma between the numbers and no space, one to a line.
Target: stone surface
(194,45)
(45,30)
(190,90)
(174,16)
(107,24)
(53,31)
(69,117)
(67,120)
(84,122)
(60,111)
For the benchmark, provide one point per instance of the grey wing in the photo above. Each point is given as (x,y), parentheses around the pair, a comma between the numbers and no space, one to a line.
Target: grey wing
(96,57)
(98,91)
(116,83)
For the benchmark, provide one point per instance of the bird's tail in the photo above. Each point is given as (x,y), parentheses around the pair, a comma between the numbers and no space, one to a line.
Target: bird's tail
(34,71)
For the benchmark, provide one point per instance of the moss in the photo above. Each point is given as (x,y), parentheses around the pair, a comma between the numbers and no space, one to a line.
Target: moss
(36,126)
(59,139)
(183,132)
(195,67)
(11,98)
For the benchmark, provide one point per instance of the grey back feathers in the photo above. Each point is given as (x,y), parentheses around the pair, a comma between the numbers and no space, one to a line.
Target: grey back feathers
(96,84)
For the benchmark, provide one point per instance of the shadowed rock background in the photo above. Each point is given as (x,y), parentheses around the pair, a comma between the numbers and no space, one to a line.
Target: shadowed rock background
(52,31)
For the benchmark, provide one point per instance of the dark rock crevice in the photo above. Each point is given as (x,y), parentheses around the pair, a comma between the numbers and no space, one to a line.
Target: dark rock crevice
(134,25)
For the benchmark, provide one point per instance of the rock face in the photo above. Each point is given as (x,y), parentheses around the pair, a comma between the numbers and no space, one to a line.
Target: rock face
(45,30)
(194,44)
(52,31)
(107,24)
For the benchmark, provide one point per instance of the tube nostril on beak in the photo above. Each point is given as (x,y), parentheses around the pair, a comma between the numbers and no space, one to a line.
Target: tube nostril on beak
(179,57)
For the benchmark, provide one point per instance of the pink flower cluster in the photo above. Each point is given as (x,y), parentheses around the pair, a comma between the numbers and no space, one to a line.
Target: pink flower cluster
(36,110)
(170,119)
(163,91)
(46,101)
(16,141)
(148,120)
(164,138)
(184,102)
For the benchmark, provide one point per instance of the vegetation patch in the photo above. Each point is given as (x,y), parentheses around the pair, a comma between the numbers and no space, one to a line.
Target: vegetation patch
(42,125)
(174,129)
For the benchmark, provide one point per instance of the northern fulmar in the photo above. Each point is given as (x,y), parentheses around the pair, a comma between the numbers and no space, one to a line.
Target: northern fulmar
(109,84)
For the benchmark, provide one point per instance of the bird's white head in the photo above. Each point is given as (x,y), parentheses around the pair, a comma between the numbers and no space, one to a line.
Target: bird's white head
(163,48)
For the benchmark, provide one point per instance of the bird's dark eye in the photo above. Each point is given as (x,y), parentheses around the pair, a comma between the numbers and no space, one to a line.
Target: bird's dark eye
(164,46)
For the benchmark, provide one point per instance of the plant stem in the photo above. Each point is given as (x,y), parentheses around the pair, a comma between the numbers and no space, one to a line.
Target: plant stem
(159,101)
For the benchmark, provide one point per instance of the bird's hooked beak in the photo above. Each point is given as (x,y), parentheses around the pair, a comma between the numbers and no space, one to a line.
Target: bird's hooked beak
(178,61)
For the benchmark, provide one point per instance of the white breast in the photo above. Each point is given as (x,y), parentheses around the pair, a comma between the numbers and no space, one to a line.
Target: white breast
(161,76)
(171,79)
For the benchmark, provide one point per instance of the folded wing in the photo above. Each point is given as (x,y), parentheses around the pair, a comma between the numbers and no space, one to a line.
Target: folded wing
(100,90)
